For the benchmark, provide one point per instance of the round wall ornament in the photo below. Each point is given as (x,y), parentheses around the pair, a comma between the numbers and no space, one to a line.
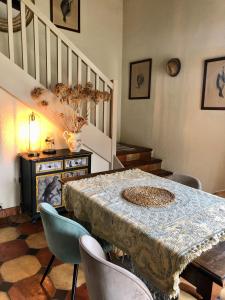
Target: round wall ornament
(173,67)
(16,17)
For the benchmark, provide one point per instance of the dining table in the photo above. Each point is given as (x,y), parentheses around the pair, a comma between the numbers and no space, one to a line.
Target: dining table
(161,240)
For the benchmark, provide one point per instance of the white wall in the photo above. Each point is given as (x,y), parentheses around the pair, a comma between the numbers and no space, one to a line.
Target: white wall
(14,140)
(101,40)
(188,139)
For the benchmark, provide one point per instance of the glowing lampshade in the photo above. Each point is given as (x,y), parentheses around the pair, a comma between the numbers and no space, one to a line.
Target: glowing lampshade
(34,135)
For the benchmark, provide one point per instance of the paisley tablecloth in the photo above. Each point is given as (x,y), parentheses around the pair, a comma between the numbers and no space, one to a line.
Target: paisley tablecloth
(161,241)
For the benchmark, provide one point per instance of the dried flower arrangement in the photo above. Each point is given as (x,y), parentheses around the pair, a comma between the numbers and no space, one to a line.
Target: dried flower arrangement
(72,99)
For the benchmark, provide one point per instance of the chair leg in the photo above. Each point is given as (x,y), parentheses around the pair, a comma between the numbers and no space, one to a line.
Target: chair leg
(108,256)
(47,269)
(74,283)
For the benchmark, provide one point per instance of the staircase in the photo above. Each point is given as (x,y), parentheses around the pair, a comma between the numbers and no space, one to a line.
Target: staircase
(44,63)
(132,156)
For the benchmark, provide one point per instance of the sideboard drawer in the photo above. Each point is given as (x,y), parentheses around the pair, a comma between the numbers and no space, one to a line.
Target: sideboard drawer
(76,162)
(80,172)
(49,166)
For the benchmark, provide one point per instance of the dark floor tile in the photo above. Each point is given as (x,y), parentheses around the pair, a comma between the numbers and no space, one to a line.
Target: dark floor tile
(33,251)
(81,293)
(31,289)
(60,295)
(29,228)
(12,249)
(19,219)
(5,286)
(44,255)
(22,237)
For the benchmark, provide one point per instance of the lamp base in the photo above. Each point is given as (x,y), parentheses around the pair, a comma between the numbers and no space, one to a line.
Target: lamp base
(33,154)
(49,151)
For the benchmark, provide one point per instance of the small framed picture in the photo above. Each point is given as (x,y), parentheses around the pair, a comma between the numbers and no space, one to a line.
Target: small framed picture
(213,90)
(140,79)
(66,14)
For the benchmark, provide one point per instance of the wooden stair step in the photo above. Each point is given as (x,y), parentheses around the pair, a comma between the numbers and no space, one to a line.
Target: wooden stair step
(145,165)
(127,152)
(161,173)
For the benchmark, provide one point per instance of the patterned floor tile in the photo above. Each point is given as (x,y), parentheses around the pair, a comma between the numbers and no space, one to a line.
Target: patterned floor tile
(5,286)
(37,240)
(62,282)
(29,228)
(31,289)
(19,219)
(8,234)
(4,296)
(44,256)
(81,277)
(12,249)
(81,293)
(19,268)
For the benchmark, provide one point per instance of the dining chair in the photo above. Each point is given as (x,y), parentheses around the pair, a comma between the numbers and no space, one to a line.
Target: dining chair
(105,280)
(186,180)
(62,235)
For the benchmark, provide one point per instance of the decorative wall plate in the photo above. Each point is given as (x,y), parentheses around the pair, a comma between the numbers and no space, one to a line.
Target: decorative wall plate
(173,67)
(16,21)
(148,196)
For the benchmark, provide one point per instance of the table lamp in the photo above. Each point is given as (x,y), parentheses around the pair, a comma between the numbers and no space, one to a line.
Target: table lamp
(34,135)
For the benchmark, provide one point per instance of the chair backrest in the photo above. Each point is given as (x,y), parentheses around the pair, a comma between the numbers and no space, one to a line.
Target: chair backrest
(186,180)
(106,280)
(62,234)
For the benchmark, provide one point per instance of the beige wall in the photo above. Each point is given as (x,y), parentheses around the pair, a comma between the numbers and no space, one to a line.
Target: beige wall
(188,139)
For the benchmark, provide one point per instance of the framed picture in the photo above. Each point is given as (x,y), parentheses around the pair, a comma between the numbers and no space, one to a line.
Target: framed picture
(213,90)
(49,190)
(66,14)
(140,79)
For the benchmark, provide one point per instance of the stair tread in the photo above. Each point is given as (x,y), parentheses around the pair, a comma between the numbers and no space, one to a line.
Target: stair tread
(136,163)
(130,149)
(161,172)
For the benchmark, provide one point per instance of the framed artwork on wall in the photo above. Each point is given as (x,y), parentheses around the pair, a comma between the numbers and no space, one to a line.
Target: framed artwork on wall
(140,79)
(66,14)
(213,91)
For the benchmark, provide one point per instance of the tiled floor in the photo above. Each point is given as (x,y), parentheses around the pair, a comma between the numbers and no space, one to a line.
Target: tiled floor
(24,256)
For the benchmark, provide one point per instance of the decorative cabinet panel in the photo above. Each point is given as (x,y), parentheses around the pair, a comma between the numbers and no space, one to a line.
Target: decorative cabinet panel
(40,177)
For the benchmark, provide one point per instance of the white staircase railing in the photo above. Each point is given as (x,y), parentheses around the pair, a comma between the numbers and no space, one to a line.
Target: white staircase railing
(78,67)
(102,118)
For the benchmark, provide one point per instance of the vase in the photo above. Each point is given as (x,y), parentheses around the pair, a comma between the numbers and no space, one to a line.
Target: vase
(73,141)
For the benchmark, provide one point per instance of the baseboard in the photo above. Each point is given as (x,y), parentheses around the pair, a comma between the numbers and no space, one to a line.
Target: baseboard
(12,211)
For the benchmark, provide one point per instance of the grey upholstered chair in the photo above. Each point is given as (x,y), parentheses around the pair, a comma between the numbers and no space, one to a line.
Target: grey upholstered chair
(106,281)
(186,180)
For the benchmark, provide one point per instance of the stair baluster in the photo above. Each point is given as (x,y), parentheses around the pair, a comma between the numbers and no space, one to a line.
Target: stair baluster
(104,118)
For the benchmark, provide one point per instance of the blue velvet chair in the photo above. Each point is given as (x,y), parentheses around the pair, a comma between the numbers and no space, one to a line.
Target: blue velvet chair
(62,235)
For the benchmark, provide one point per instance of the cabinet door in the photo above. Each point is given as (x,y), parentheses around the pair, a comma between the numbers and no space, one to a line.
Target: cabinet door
(49,190)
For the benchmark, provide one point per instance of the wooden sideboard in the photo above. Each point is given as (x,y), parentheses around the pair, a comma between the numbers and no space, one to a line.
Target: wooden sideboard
(40,177)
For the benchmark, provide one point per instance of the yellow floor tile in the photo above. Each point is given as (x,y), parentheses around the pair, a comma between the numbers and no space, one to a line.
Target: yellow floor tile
(37,241)
(19,268)
(8,234)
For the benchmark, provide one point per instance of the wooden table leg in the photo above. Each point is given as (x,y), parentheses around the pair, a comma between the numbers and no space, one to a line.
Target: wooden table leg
(200,280)
(204,288)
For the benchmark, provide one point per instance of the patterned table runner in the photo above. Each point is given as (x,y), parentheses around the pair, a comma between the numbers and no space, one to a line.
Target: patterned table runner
(162,240)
